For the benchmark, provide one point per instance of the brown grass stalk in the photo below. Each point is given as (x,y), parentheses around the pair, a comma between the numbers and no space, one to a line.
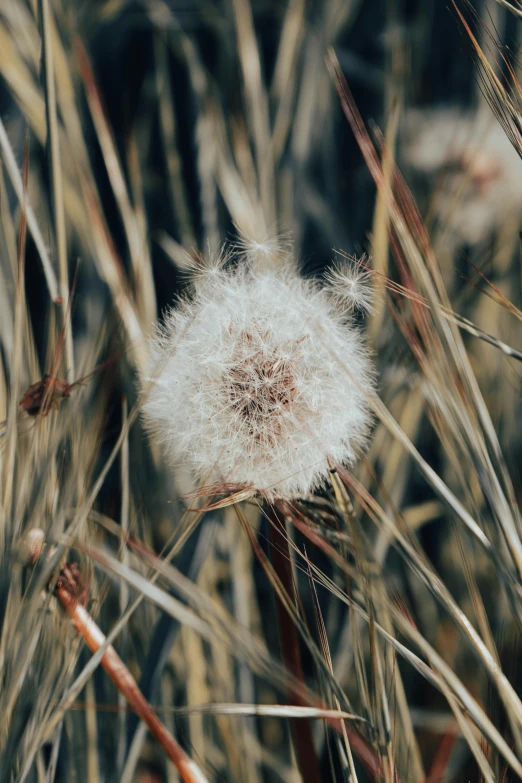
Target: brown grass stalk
(124,681)
(358,744)
(288,637)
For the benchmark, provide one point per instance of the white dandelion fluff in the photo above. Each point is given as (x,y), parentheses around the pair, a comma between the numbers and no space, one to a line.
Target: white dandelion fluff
(261,380)
(351,286)
(202,270)
(265,249)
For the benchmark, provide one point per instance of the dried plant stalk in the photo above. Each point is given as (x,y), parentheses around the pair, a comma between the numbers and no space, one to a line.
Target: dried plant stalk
(67,593)
(301,730)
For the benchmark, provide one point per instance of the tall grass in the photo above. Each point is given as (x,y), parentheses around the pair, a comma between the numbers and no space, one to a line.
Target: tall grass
(368,632)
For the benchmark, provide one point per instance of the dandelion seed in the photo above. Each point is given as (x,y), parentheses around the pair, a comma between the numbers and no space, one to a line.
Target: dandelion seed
(202,270)
(264,249)
(261,381)
(351,286)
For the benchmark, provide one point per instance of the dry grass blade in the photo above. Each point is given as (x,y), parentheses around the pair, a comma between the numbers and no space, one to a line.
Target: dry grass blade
(510,7)
(220,626)
(436,586)
(367,628)
(257,105)
(445,345)
(170,146)
(270,710)
(16,181)
(53,152)
(137,244)
(438,672)
(19,315)
(281,561)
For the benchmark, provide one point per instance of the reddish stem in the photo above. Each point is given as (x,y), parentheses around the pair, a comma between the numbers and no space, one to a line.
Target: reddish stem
(126,684)
(441,759)
(301,729)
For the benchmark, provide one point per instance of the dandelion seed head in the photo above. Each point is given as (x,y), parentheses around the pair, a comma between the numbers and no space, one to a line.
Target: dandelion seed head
(260,382)
(478,171)
(351,287)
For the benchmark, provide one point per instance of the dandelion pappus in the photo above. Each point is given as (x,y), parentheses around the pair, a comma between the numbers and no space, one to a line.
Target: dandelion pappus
(252,399)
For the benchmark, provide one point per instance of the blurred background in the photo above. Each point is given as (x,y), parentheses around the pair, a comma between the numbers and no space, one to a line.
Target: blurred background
(136,129)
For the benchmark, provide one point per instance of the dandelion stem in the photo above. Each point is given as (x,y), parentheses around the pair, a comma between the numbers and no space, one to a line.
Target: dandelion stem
(301,730)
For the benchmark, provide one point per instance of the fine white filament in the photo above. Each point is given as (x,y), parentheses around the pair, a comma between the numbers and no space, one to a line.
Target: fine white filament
(259,380)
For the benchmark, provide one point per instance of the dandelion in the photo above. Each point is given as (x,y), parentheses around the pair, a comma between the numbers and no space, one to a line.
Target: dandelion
(261,381)
(480,185)
(351,286)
